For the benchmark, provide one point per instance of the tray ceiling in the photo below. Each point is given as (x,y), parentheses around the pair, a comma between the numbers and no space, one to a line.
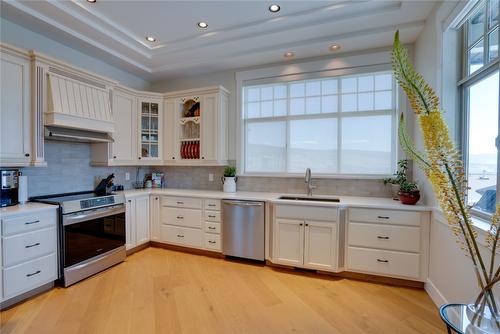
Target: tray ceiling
(239,33)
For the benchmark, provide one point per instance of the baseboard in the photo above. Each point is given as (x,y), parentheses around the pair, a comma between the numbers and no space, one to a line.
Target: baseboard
(433,292)
(14,301)
(186,249)
(138,248)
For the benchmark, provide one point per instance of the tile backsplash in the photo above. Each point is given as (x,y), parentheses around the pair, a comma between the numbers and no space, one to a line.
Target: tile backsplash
(69,170)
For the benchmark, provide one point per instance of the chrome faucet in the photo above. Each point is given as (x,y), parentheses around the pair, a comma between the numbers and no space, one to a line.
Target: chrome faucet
(309,185)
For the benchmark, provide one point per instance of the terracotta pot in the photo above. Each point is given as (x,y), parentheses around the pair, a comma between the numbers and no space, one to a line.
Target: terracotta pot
(410,198)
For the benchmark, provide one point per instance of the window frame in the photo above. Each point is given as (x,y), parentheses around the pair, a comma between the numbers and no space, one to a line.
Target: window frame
(468,80)
(396,109)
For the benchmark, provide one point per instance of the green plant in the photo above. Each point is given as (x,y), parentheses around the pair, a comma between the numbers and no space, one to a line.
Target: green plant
(408,187)
(230,171)
(401,174)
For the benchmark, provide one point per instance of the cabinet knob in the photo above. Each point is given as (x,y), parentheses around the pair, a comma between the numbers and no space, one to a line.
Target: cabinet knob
(203,157)
(130,201)
(307,224)
(139,158)
(156,198)
(114,156)
(26,154)
(301,224)
(173,158)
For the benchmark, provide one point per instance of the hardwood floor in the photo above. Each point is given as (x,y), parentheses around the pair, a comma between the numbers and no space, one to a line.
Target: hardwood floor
(163,291)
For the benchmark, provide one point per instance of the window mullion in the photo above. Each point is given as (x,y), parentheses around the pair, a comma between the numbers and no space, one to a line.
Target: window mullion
(339,125)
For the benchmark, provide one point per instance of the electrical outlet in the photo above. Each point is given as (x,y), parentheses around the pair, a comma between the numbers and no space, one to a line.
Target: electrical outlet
(210,177)
(127,176)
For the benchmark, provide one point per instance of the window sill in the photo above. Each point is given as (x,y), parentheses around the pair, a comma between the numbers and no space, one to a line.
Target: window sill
(320,176)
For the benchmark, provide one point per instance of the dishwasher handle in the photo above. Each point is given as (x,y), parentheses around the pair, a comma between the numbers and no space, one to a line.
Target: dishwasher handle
(243,203)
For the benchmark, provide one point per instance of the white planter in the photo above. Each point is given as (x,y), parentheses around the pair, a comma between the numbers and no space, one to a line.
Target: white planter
(229,184)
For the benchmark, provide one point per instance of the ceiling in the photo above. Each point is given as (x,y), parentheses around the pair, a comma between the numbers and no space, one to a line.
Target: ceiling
(239,33)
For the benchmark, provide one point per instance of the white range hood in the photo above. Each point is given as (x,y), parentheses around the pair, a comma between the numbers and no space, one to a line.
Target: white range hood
(75,102)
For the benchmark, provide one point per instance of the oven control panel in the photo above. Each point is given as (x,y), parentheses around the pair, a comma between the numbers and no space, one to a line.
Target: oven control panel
(95,202)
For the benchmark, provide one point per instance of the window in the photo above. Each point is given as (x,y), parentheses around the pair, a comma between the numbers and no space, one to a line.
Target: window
(480,88)
(334,125)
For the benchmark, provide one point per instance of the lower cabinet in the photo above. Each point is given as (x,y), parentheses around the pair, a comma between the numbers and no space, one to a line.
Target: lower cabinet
(306,242)
(137,221)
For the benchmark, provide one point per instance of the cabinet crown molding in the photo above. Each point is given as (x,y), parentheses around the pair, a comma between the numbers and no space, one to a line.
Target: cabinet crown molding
(200,91)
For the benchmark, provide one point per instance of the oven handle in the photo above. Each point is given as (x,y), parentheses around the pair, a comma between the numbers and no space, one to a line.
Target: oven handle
(99,213)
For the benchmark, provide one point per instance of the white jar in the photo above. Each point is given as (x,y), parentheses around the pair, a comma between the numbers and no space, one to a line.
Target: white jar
(229,184)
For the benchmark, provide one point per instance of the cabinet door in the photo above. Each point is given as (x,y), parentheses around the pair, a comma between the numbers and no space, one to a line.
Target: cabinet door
(130,224)
(154,215)
(150,130)
(170,137)
(320,245)
(142,220)
(15,129)
(289,245)
(125,135)
(209,128)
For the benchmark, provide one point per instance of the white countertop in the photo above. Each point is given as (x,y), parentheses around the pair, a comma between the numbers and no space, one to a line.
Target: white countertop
(29,207)
(345,201)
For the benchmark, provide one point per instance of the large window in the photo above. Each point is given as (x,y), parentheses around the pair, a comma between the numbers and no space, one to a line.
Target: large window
(480,87)
(335,125)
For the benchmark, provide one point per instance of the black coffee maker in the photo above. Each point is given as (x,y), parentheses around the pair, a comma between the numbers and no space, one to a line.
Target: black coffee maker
(9,187)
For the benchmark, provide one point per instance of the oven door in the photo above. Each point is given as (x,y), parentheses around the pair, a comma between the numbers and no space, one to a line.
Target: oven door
(88,234)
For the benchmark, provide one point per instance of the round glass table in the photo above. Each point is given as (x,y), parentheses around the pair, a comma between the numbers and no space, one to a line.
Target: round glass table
(456,320)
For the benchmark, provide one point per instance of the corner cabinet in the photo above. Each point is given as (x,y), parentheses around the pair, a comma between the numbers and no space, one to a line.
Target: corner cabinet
(195,125)
(137,216)
(16,119)
(138,136)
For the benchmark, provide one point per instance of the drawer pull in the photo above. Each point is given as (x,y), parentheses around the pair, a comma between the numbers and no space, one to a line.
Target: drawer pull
(384,261)
(180,236)
(29,246)
(211,216)
(32,222)
(212,205)
(212,242)
(180,203)
(180,217)
(33,274)
(381,237)
(383,217)
(211,228)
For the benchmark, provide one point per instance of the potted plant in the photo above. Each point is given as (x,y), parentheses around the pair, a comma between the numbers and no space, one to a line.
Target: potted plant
(442,165)
(229,179)
(409,193)
(400,177)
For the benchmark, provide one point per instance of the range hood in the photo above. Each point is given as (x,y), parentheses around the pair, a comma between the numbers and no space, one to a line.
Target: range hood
(75,135)
(78,108)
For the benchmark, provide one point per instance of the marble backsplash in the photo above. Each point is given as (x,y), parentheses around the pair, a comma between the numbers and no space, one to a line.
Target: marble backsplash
(69,170)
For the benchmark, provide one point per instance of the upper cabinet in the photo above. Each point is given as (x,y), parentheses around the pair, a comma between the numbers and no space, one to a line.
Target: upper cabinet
(124,147)
(150,130)
(196,126)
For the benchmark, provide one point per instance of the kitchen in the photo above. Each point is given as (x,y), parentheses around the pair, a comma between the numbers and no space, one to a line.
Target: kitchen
(145,167)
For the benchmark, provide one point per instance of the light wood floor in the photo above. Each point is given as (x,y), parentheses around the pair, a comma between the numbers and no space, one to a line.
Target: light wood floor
(163,291)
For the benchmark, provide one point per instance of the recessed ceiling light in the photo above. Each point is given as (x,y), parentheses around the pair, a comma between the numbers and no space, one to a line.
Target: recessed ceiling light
(274,8)
(150,39)
(334,47)
(91,1)
(203,25)
(289,54)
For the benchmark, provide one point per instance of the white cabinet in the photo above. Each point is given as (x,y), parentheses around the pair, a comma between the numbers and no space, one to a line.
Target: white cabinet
(124,147)
(310,241)
(388,242)
(28,251)
(137,221)
(150,130)
(15,110)
(154,217)
(195,126)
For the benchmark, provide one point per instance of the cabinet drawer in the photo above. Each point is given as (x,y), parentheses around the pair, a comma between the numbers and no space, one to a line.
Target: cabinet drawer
(181,217)
(181,202)
(385,216)
(384,262)
(402,238)
(29,275)
(307,212)
(23,247)
(25,223)
(212,242)
(182,235)
(212,216)
(212,204)
(211,227)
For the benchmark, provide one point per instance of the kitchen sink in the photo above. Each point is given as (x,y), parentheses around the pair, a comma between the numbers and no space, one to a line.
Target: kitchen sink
(311,199)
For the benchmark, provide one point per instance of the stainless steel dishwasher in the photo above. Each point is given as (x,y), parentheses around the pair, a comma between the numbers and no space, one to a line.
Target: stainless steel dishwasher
(243,231)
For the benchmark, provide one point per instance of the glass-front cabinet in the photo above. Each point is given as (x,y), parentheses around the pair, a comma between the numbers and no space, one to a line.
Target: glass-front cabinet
(189,128)
(149,130)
